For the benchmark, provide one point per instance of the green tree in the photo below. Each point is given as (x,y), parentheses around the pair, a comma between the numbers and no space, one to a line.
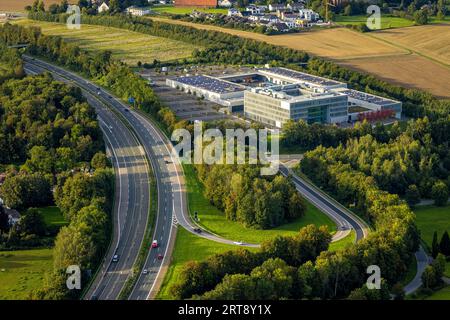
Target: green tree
(4,220)
(421,17)
(40,160)
(444,245)
(435,245)
(32,222)
(348,10)
(99,161)
(439,193)
(412,195)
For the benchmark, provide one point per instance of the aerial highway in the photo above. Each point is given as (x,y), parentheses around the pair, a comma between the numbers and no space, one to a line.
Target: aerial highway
(172,203)
(131,208)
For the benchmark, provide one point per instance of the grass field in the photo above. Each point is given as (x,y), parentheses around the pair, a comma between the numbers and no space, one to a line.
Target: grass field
(430,219)
(186,10)
(343,243)
(369,52)
(214,220)
(19,5)
(189,247)
(442,294)
(22,271)
(386,21)
(53,216)
(128,46)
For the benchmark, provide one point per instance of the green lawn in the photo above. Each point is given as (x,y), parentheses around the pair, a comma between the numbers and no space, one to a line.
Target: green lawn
(430,219)
(442,294)
(189,247)
(22,271)
(186,10)
(386,21)
(214,220)
(53,216)
(343,243)
(125,45)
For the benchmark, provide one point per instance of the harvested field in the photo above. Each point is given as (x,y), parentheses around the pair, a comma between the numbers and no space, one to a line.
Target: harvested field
(432,40)
(412,71)
(19,5)
(410,57)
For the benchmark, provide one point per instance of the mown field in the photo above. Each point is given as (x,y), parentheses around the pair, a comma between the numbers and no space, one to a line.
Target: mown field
(214,220)
(23,271)
(127,46)
(430,219)
(19,5)
(431,40)
(370,52)
(189,247)
(386,21)
(185,10)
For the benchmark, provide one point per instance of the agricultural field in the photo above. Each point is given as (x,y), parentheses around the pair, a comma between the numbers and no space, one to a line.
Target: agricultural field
(125,45)
(432,41)
(214,220)
(185,10)
(19,5)
(430,219)
(23,271)
(387,22)
(410,63)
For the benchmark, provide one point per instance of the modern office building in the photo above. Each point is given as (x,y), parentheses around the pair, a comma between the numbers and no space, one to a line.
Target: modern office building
(222,92)
(276,105)
(275,95)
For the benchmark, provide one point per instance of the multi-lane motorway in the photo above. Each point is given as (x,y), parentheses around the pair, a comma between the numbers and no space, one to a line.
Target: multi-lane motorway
(136,144)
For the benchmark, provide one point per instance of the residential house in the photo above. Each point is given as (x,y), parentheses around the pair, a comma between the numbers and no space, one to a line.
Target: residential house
(138,11)
(271,18)
(295,6)
(308,15)
(276,6)
(13,216)
(103,7)
(225,4)
(234,12)
(280,27)
(256,9)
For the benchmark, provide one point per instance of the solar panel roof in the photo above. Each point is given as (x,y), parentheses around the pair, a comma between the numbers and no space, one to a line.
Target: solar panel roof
(302,76)
(368,97)
(210,84)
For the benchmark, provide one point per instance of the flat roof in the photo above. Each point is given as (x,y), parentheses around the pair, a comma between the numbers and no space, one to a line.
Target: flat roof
(283,93)
(367,97)
(210,84)
(301,76)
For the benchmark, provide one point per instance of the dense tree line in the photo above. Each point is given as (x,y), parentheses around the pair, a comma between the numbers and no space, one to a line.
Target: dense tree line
(51,135)
(199,277)
(253,201)
(11,65)
(412,161)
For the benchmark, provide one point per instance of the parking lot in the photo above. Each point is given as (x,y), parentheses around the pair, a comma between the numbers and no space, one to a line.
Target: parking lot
(187,106)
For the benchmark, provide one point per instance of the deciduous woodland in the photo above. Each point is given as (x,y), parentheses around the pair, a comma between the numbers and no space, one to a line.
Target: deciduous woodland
(53,152)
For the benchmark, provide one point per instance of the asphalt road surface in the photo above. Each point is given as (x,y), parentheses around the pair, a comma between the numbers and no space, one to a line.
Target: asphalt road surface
(131,197)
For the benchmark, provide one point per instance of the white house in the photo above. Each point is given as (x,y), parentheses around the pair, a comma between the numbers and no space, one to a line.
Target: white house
(295,6)
(233,12)
(255,9)
(138,11)
(225,3)
(276,6)
(308,14)
(103,7)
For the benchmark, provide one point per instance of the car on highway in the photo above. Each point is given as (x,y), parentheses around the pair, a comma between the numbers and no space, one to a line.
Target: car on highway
(115,258)
(197,230)
(239,243)
(145,271)
(155,244)
(126,110)
(160,256)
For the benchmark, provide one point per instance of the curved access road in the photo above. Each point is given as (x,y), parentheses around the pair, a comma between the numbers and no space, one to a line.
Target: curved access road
(131,205)
(344,219)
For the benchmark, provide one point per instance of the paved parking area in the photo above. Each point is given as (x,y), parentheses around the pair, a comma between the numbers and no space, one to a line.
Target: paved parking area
(187,106)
